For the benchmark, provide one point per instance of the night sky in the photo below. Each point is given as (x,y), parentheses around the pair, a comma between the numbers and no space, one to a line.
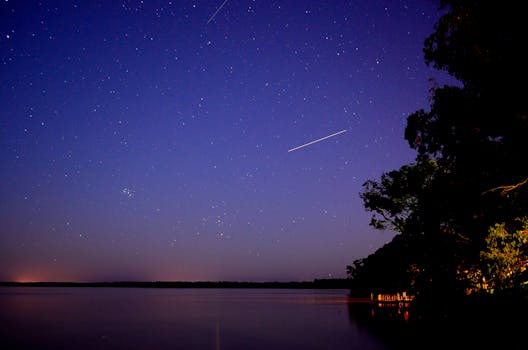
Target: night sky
(148,140)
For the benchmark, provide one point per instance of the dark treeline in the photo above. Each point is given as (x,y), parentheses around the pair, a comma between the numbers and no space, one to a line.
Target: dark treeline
(460,208)
(317,283)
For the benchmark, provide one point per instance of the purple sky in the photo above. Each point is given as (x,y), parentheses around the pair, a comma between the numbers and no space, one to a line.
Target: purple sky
(148,140)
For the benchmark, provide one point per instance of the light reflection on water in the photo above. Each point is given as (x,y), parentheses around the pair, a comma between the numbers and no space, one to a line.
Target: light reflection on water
(134,318)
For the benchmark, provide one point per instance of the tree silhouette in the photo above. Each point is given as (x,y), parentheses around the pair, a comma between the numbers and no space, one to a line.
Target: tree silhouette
(471,142)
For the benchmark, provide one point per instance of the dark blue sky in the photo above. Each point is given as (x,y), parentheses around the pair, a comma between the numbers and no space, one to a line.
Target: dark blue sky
(148,140)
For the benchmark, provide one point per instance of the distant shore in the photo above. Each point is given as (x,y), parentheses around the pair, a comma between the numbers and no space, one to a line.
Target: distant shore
(315,284)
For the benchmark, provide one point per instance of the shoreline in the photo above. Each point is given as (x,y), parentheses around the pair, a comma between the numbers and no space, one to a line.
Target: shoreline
(316,284)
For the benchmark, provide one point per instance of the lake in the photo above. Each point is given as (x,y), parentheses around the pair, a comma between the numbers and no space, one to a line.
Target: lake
(157,318)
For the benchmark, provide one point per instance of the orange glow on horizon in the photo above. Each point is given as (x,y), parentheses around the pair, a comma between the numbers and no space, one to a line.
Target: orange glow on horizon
(26,279)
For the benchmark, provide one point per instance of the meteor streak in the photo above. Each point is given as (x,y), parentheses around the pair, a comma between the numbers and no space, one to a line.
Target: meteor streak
(217,10)
(312,142)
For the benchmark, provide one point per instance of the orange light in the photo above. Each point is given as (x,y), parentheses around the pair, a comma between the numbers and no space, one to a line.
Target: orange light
(26,279)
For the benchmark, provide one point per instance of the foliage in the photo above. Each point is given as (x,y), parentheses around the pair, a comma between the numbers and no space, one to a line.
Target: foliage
(472,141)
(385,271)
(394,200)
(503,261)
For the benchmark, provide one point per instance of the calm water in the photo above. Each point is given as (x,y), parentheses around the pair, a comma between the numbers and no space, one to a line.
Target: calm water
(135,318)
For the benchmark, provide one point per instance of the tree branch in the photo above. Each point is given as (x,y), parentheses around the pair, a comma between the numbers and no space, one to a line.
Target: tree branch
(508,188)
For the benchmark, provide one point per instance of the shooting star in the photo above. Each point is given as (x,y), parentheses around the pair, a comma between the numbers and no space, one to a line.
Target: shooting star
(312,142)
(217,10)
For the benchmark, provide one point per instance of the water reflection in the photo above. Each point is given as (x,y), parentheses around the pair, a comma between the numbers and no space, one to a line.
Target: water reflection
(389,322)
(128,318)
(401,325)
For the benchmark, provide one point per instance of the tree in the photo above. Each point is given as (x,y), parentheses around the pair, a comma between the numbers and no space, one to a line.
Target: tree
(394,200)
(388,270)
(504,261)
(473,139)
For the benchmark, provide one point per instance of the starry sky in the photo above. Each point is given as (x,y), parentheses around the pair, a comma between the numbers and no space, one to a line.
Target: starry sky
(148,140)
